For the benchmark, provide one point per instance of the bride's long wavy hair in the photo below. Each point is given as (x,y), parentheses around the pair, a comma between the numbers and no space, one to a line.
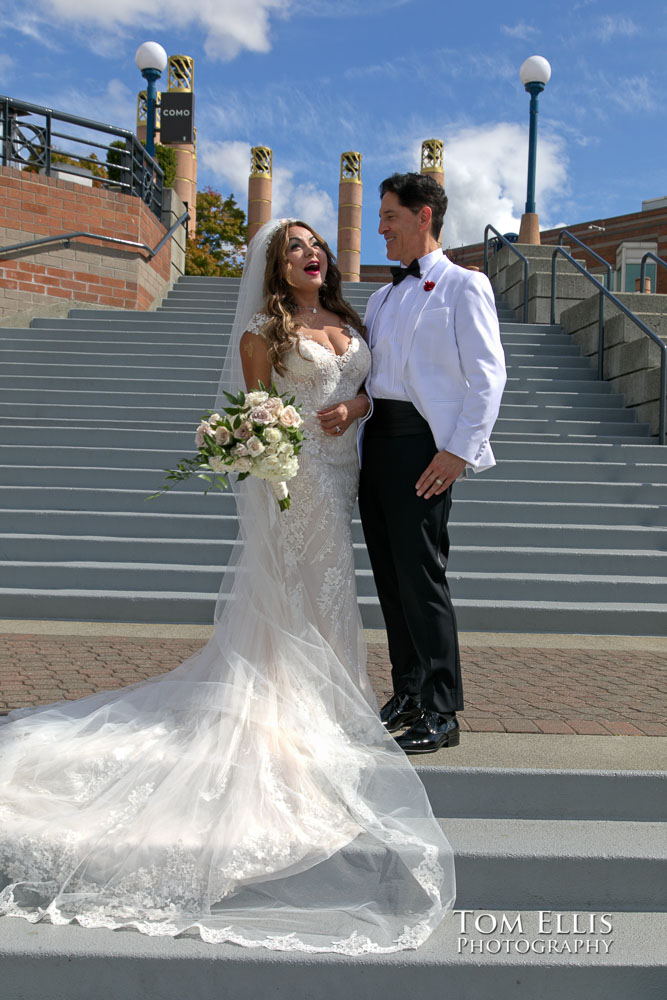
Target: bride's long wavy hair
(281,330)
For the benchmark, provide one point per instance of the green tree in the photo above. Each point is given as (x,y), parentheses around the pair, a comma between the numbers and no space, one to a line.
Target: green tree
(166,157)
(218,247)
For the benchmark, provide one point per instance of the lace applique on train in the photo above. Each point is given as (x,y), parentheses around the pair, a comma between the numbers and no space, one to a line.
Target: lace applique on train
(251,795)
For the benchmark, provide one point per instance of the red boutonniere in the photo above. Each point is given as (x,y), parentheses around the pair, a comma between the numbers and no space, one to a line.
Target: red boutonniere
(429,285)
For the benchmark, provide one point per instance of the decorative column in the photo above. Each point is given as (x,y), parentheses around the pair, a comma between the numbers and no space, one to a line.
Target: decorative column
(350,195)
(433,159)
(433,162)
(260,184)
(142,116)
(181,70)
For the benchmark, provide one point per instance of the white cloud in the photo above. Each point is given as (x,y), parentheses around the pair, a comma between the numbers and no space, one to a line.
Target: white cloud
(485,178)
(632,94)
(229,26)
(610,26)
(345,8)
(230,162)
(7,68)
(520,30)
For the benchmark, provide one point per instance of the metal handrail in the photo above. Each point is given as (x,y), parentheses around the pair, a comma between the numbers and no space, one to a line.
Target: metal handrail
(606,294)
(141,173)
(642,273)
(68,237)
(566,232)
(514,250)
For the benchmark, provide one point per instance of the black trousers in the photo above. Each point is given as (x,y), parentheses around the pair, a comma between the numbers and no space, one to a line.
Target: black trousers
(408,545)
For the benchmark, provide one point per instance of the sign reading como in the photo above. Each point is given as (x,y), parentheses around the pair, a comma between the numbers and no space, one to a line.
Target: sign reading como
(177,117)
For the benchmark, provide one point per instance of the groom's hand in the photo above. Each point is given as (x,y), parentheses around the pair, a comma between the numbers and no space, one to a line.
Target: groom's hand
(444,470)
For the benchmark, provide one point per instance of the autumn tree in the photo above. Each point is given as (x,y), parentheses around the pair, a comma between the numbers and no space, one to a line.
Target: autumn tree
(218,247)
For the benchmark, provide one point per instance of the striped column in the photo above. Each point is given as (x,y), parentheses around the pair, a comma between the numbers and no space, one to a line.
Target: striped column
(432,162)
(260,184)
(181,71)
(350,195)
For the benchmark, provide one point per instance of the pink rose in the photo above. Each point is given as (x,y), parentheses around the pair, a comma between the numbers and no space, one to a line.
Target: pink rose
(222,435)
(203,429)
(262,415)
(274,405)
(239,450)
(243,431)
(289,417)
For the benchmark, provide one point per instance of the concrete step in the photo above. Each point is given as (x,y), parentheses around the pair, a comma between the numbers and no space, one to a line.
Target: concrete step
(180,501)
(487,489)
(164,368)
(200,383)
(548,424)
(90,335)
(606,400)
(547,384)
(105,398)
(182,418)
(38,960)
(550,616)
(101,361)
(618,436)
(156,436)
(590,414)
(533,369)
(135,321)
(480,558)
(165,577)
(152,523)
(592,451)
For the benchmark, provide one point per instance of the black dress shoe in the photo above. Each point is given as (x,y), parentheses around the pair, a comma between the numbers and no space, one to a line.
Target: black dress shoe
(401,710)
(430,733)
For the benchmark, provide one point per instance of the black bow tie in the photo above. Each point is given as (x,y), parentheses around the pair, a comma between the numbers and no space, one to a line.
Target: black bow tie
(398,273)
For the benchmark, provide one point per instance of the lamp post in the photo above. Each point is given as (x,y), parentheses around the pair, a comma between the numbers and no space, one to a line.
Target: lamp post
(151,60)
(535,73)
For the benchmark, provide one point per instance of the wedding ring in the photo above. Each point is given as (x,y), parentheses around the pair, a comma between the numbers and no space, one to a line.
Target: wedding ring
(438,481)
(337,429)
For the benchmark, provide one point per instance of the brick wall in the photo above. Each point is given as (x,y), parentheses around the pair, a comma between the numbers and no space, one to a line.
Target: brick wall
(87,273)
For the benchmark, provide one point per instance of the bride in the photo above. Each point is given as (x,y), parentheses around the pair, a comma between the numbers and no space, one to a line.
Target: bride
(251,795)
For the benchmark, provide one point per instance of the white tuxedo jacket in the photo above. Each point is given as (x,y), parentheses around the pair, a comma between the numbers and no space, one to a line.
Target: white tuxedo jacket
(452,358)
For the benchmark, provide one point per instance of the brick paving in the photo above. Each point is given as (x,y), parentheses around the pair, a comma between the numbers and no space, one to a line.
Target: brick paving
(508,689)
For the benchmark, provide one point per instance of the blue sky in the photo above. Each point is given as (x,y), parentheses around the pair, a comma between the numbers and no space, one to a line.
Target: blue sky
(313,78)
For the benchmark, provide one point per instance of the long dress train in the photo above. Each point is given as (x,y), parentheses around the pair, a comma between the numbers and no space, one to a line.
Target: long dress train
(251,795)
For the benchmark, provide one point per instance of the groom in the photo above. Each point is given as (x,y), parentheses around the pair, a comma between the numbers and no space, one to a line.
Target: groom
(436,381)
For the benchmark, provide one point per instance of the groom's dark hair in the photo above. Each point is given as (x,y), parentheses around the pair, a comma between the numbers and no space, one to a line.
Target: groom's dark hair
(416,190)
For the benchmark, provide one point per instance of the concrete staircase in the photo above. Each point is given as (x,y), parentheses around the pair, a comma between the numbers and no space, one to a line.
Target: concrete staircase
(567,533)
(568,842)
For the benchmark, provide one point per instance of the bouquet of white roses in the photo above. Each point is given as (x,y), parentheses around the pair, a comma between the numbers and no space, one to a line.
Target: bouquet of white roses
(259,435)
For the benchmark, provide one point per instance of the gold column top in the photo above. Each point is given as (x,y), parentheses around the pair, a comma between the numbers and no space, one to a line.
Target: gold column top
(261,162)
(432,156)
(350,168)
(142,108)
(181,71)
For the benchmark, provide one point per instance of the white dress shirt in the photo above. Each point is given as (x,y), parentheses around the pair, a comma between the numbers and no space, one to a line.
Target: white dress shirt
(386,376)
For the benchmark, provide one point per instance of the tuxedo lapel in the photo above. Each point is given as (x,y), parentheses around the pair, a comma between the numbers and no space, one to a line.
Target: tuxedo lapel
(381,299)
(408,317)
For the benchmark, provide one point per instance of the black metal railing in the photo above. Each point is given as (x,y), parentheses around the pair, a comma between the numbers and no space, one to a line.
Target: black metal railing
(642,273)
(604,293)
(584,246)
(28,140)
(514,250)
(66,238)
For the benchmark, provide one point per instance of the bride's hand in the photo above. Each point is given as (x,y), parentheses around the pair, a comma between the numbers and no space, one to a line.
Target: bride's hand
(335,420)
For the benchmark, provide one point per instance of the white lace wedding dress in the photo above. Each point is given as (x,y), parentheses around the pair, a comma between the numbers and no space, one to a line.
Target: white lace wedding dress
(251,795)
